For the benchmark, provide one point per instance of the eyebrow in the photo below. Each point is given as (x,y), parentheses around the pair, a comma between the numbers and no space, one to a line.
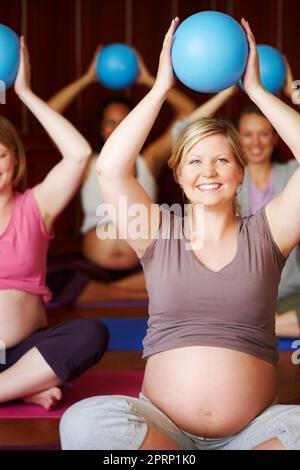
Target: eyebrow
(193,155)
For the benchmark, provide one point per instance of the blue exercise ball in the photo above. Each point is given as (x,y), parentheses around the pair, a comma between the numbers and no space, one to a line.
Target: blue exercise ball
(9,55)
(272,68)
(117,66)
(209,51)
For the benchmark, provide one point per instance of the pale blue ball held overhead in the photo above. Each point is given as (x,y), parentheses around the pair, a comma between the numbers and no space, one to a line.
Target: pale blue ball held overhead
(9,55)
(117,66)
(209,51)
(272,68)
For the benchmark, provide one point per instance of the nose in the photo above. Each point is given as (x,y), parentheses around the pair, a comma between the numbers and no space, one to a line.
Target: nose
(208,170)
(255,140)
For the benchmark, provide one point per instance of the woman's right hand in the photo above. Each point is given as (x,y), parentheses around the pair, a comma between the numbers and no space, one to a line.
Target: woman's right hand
(144,76)
(91,74)
(22,82)
(165,76)
(251,79)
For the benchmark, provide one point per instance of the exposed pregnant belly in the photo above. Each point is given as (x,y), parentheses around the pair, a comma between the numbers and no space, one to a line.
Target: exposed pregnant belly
(21,314)
(110,254)
(208,391)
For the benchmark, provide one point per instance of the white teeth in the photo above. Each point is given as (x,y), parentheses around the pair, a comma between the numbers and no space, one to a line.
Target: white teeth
(208,187)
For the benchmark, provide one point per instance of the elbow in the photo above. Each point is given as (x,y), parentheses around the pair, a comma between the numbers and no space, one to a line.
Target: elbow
(84,153)
(106,170)
(102,168)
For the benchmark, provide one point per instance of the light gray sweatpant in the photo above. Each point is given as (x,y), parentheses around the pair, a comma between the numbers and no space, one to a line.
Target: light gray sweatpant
(120,423)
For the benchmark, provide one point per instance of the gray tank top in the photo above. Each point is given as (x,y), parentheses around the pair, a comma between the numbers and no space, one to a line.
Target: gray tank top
(191,305)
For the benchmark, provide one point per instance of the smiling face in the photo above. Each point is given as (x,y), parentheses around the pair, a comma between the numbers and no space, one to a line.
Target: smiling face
(210,173)
(258,138)
(8,162)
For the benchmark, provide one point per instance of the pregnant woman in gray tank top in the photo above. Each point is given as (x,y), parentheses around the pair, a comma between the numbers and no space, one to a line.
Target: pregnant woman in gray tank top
(210,379)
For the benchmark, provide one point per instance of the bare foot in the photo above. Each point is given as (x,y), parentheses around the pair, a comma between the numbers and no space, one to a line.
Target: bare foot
(47,398)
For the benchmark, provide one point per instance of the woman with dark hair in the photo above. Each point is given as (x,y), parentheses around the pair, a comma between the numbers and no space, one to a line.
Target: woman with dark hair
(109,259)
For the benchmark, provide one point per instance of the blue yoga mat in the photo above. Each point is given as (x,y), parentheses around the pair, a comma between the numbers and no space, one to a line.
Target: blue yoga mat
(286,344)
(127,334)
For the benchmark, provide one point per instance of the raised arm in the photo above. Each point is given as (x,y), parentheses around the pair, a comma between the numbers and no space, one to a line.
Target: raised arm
(157,153)
(116,161)
(181,104)
(61,100)
(207,109)
(283,211)
(59,186)
(211,106)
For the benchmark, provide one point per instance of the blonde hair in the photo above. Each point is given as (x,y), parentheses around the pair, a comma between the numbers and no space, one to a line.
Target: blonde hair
(204,127)
(10,138)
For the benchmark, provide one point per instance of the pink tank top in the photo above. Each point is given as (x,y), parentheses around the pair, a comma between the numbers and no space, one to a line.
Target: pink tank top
(23,248)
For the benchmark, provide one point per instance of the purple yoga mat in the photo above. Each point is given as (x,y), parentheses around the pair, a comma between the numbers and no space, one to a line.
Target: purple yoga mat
(92,383)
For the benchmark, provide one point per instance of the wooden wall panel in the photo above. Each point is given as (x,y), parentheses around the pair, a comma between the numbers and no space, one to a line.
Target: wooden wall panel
(50,31)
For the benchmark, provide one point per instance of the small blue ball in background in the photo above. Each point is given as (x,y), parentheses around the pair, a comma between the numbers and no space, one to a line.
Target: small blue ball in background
(209,51)
(9,55)
(272,68)
(117,66)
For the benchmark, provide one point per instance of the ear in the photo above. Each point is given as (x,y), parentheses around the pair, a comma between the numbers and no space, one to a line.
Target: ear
(178,176)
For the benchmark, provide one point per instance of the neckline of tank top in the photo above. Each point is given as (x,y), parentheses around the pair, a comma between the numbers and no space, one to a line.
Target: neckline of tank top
(186,235)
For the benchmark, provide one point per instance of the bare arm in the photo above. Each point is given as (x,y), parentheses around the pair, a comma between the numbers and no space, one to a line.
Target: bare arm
(116,161)
(181,103)
(157,153)
(283,211)
(211,106)
(59,186)
(61,100)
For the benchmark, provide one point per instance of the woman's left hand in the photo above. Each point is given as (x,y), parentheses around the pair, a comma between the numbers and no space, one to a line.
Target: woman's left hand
(251,79)
(22,82)
(165,76)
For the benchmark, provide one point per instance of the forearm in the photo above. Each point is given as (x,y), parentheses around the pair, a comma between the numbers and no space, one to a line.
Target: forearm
(181,103)
(211,106)
(69,141)
(123,146)
(284,119)
(61,100)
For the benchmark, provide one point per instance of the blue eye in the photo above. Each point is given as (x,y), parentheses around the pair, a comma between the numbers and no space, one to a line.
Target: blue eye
(222,160)
(194,162)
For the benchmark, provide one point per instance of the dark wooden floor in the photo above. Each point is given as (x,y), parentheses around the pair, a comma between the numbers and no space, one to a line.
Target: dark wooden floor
(44,432)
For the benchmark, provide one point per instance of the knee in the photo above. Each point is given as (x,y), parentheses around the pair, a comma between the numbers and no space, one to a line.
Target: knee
(102,423)
(94,335)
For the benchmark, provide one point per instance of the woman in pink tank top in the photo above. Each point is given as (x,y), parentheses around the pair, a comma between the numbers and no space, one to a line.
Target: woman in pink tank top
(34,360)
(210,379)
